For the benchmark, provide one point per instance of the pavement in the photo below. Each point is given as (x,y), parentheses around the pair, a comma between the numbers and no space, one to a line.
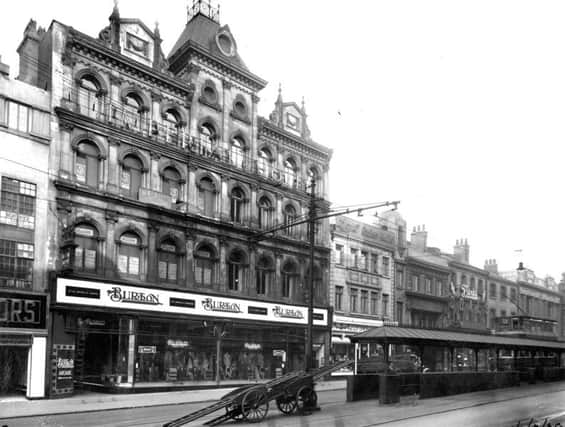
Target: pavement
(409,407)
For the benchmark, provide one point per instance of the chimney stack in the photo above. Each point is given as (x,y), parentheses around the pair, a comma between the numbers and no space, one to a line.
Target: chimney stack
(419,238)
(29,53)
(461,251)
(491,266)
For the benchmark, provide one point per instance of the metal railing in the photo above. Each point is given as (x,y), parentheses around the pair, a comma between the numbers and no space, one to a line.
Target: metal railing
(118,115)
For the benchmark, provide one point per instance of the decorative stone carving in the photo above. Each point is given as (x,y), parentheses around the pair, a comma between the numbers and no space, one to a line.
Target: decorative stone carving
(112,216)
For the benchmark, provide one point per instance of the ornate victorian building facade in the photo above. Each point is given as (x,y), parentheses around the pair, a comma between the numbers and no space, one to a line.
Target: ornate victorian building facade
(165,174)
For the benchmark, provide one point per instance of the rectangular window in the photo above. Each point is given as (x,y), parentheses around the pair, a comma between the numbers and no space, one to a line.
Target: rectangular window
(386,266)
(374,263)
(339,254)
(374,302)
(513,294)
(364,262)
(492,290)
(16,264)
(503,292)
(3,112)
(399,313)
(414,283)
(399,279)
(39,123)
(355,258)
(364,302)
(353,300)
(439,288)
(480,289)
(385,305)
(492,315)
(17,203)
(428,285)
(339,298)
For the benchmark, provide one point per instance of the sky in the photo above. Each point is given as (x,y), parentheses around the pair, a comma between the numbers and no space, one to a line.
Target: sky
(456,108)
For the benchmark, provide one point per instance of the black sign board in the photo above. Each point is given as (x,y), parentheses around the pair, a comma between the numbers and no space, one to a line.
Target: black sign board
(181,302)
(73,291)
(318,316)
(257,310)
(20,310)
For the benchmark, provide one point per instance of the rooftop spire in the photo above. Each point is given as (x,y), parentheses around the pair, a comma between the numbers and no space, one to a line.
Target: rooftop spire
(115,12)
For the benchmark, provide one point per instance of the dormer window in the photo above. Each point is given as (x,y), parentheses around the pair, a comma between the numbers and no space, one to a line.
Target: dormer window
(225,43)
(292,121)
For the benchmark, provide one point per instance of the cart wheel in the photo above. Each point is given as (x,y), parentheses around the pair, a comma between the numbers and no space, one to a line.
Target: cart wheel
(286,404)
(234,411)
(306,398)
(255,405)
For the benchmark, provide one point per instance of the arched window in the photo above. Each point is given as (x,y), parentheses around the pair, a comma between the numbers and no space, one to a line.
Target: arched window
(133,111)
(288,279)
(131,175)
(290,172)
(236,151)
(236,205)
(171,183)
(204,263)
(289,218)
(264,273)
(207,196)
(86,249)
(207,135)
(265,212)
(87,164)
(236,270)
(90,99)
(171,123)
(129,254)
(264,164)
(314,177)
(168,261)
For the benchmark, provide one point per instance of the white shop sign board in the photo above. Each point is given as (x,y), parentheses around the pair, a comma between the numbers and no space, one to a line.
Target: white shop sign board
(111,295)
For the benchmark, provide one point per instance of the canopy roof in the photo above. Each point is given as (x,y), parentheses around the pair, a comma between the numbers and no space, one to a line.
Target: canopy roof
(407,336)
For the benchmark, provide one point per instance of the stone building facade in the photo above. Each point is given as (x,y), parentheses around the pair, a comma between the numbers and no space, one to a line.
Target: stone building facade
(167,181)
(25,137)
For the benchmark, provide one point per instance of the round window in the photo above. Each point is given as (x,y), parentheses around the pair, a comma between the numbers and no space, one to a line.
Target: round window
(210,94)
(240,108)
(225,44)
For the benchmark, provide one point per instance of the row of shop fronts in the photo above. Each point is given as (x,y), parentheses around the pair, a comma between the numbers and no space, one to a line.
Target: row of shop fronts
(116,337)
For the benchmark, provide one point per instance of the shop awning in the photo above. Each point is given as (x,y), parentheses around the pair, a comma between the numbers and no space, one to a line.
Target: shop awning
(398,335)
(340,340)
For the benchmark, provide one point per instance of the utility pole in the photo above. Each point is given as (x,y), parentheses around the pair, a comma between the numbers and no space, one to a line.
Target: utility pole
(312,240)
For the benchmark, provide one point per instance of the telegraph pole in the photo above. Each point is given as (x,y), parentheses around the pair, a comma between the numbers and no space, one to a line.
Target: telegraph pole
(312,240)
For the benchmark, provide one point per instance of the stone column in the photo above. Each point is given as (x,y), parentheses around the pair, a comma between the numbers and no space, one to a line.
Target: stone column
(154,177)
(277,285)
(152,253)
(113,166)
(189,245)
(224,198)
(222,274)
(110,256)
(253,218)
(278,216)
(249,287)
(192,190)
(226,109)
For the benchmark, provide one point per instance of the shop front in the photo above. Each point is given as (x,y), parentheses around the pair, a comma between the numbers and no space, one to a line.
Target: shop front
(23,343)
(131,338)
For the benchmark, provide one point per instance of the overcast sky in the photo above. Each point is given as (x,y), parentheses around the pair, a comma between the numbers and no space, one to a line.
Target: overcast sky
(455,108)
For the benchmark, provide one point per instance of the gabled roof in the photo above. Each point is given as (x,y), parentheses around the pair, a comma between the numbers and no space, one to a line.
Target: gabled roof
(393,334)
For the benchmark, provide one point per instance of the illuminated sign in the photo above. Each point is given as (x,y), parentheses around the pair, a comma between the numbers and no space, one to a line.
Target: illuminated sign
(19,310)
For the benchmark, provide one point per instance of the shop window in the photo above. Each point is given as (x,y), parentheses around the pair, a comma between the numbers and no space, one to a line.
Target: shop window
(87,164)
(16,264)
(265,161)
(338,298)
(353,297)
(237,203)
(204,266)
(129,254)
(17,203)
(168,261)
(263,275)
(207,196)
(289,274)
(236,270)
(237,151)
(290,172)
(90,97)
(289,219)
(134,112)
(131,176)
(265,212)
(364,301)
(171,184)
(86,249)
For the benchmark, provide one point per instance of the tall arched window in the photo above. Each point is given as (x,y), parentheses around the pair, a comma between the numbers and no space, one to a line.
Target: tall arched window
(87,164)
(207,196)
(289,274)
(236,270)
(265,212)
(236,151)
(90,98)
(264,273)
(133,111)
(264,164)
(171,123)
(86,249)
(131,175)
(290,172)
(236,205)
(168,261)
(204,265)
(207,135)
(289,218)
(171,183)
(129,254)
